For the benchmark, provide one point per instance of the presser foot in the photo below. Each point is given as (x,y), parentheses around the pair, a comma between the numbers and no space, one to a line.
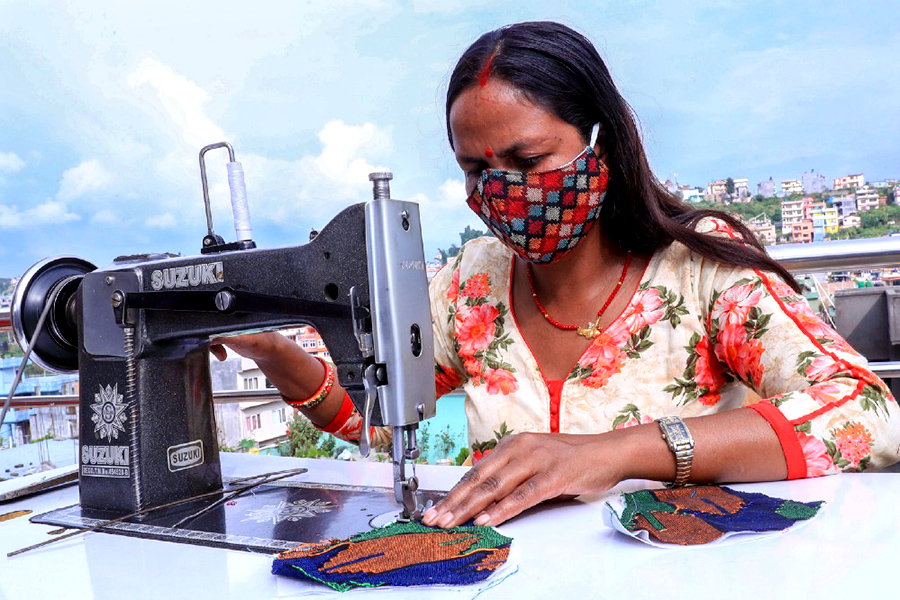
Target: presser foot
(404,452)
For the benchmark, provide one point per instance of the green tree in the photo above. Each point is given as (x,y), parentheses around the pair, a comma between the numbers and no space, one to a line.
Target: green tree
(465,235)
(328,445)
(470,234)
(446,442)
(729,186)
(303,438)
(423,441)
(881,217)
(246,444)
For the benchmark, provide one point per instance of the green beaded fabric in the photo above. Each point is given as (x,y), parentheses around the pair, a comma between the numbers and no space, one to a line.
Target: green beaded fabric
(401,554)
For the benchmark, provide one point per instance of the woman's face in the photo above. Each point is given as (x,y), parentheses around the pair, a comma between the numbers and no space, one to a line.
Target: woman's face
(495,126)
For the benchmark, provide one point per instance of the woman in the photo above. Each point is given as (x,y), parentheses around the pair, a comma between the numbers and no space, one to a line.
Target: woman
(603,305)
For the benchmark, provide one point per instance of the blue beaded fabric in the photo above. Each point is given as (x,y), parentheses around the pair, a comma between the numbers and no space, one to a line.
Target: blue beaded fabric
(402,554)
(699,515)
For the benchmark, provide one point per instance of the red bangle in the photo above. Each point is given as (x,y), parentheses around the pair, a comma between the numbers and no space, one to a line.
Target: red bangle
(321,393)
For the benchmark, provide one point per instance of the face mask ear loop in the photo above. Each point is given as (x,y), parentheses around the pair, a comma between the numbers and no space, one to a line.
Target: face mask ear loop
(595,131)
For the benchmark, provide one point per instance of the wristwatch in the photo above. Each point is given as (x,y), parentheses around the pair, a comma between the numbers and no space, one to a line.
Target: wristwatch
(681,442)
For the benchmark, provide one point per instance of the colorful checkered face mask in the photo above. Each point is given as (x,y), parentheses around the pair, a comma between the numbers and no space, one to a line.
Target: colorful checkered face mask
(541,216)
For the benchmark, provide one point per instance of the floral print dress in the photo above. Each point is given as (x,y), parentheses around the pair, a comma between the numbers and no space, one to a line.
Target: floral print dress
(695,336)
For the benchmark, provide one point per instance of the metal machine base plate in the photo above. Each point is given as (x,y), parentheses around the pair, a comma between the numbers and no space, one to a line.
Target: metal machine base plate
(271,518)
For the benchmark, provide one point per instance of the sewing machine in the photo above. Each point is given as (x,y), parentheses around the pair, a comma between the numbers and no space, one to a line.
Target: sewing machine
(138,334)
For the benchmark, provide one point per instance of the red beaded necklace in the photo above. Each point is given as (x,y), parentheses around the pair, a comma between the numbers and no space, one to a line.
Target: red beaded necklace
(593,329)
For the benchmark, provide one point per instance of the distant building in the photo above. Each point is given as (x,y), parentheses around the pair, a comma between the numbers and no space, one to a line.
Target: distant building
(825,223)
(671,186)
(742,188)
(310,340)
(813,183)
(851,221)
(21,426)
(264,422)
(690,194)
(810,207)
(766,189)
(791,186)
(849,181)
(791,214)
(866,198)
(796,211)
(716,190)
(431,269)
(883,183)
(818,224)
(845,205)
(764,230)
(802,232)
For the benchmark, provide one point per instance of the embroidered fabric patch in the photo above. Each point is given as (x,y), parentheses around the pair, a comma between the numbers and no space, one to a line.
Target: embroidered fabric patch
(700,515)
(401,554)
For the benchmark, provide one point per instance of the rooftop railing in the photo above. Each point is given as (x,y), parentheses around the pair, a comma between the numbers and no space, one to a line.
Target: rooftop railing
(815,257)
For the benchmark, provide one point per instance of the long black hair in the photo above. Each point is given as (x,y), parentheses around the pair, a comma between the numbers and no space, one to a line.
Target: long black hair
(560,70)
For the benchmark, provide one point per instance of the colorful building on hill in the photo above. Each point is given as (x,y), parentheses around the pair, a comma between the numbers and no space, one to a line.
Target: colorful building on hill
(849,182)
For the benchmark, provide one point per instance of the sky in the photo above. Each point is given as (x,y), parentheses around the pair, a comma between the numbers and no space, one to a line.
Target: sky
(104,107)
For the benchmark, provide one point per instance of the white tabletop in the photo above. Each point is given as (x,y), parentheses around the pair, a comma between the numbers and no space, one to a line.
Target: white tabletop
(851,550)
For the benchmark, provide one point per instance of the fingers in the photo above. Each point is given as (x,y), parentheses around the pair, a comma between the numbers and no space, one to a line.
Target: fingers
(501,484)
(218,351)
(531,492)
(474,492)
(256,346)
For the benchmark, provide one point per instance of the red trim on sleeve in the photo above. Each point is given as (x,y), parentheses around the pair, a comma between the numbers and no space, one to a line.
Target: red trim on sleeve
(856,371)
(446,379)
(790,445)
(342,417)
(862,375)
(860,384)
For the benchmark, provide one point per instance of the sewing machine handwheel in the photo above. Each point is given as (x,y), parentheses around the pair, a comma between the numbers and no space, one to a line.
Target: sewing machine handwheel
(55,281)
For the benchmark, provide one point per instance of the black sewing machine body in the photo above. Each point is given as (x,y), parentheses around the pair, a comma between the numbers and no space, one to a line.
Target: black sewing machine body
(148,433)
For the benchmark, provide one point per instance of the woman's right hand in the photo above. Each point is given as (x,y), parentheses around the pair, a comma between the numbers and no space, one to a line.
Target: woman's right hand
(255,346)
(290,368)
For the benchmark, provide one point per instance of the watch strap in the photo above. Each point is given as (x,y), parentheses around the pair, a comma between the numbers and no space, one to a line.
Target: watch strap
(681,442)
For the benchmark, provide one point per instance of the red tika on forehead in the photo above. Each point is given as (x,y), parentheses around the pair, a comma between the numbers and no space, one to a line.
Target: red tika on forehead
(486,70)
(488,152)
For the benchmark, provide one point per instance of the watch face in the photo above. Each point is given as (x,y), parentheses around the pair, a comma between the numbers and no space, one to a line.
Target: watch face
(676,430)
(679,432)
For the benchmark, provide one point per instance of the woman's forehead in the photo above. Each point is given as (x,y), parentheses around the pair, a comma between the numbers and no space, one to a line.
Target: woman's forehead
(496,112)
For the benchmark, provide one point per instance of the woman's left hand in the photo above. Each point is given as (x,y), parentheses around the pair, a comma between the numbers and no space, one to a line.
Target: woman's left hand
(524,470)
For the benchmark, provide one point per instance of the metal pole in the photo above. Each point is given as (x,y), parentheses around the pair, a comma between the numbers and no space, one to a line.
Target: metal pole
(839,255)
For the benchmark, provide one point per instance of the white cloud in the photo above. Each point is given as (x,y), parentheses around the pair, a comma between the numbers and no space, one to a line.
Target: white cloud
(446,215)
(105,216)
(443,7)
(88,177)
(182,99)
(10,162)
(343,165)
(309,190)
(163,221)
(48,213)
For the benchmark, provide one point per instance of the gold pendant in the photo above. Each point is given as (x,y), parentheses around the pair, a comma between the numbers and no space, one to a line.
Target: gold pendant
(592,330)
(589,332)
